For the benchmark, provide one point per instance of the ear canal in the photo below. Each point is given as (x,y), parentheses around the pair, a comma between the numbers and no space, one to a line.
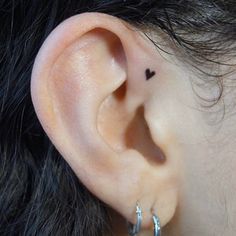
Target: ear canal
(123,131)
(138,137)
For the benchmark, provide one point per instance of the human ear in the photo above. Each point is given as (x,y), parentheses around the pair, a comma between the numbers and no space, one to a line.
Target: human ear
(91,87)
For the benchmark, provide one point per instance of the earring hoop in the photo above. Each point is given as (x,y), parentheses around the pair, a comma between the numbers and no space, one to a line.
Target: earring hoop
(157,225)
(133,230)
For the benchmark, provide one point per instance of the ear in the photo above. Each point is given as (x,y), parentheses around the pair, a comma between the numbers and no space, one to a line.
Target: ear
(92,83)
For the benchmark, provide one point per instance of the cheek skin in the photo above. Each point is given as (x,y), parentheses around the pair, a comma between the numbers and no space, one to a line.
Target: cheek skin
(173,109)
(179,123)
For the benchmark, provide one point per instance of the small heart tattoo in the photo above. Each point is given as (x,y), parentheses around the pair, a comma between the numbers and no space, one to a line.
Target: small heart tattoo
(149,74)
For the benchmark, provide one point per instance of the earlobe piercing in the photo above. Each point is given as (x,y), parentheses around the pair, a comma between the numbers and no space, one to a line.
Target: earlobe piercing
(133,230)
(157,225)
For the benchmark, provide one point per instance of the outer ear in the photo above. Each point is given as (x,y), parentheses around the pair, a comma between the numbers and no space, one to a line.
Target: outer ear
(91,85)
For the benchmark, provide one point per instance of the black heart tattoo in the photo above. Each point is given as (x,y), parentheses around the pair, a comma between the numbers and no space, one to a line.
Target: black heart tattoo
(149,74)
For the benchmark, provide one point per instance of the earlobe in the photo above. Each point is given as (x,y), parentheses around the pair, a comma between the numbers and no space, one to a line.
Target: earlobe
(89,81)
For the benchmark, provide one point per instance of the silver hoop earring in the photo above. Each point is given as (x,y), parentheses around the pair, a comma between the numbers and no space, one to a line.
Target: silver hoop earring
(157,225)
(133,230)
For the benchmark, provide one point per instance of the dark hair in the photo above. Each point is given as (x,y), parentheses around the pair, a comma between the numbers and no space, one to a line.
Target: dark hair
(39,193)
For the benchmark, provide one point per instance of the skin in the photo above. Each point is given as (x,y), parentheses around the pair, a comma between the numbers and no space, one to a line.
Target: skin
(136,139)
